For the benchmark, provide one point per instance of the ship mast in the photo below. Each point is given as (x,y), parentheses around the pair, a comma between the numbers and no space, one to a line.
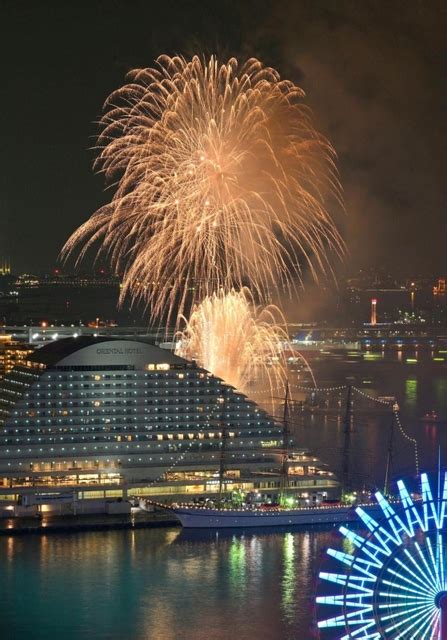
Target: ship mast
(346,481)
(389,459)
(223,448)
(285,445)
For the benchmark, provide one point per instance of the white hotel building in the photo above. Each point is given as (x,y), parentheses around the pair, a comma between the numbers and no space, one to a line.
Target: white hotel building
(114,418)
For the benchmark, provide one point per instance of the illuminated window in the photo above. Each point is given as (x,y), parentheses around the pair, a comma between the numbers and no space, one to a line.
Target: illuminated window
(164,366)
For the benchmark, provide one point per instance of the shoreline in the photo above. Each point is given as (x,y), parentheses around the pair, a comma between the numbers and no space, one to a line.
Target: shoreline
(75,524)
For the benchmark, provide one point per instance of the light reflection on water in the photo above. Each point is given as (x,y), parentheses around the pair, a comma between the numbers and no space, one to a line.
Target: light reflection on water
(159,584)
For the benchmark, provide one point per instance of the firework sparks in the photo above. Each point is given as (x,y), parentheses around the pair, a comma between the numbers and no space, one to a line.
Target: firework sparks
(220,178)
(237,341)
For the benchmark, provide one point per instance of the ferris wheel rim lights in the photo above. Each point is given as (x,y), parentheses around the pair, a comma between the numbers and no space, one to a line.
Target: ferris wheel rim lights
(396,575)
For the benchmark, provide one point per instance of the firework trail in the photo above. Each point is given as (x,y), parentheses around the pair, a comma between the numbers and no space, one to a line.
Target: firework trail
(237,341)
(219,179)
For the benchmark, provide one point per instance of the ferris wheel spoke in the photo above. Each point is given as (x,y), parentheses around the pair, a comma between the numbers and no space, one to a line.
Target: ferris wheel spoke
(431,630)
(405,602)
(418,628)
(432,575)
(433,561)
(402,587)
(414,611)
(407,619)
(440,560)
(429,579)
(419,583)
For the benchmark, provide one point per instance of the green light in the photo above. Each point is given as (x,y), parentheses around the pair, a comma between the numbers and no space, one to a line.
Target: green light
(411,386)
(289,580)
(237,563)
(438,359)
(411,360)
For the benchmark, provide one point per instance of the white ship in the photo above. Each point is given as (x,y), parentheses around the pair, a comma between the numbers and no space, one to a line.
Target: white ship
(194,517)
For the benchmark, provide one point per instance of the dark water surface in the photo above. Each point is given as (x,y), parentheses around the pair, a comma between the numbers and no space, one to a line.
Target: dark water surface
(159,584)
(170,585)
(417,379)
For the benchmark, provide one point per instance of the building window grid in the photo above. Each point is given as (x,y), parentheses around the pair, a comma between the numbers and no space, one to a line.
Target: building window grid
(109,394)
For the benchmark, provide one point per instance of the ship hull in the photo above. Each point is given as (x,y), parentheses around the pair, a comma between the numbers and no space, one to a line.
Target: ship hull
(192,518)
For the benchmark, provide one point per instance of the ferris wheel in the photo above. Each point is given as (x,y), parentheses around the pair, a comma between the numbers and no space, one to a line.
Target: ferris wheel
(394,579)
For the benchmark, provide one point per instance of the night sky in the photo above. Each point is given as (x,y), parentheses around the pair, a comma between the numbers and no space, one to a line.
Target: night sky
(374,73)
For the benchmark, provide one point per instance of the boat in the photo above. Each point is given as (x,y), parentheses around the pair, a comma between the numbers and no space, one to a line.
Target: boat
(431,417)
(222,514)
(196,517)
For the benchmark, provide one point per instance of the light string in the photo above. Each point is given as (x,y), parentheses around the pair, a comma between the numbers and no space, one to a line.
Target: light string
(395,408)
(217,404)
(388,403)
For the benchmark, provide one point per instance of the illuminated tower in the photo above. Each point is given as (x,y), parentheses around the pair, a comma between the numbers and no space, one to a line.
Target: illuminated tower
(374,311)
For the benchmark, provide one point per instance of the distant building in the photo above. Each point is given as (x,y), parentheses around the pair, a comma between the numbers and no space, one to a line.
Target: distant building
(439,288)
(5,267)
(115,418)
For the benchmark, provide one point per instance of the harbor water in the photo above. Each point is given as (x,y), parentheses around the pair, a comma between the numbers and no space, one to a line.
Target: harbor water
(168,584)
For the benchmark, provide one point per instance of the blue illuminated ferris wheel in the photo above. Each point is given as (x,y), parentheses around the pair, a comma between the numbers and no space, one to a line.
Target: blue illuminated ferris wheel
(394,579)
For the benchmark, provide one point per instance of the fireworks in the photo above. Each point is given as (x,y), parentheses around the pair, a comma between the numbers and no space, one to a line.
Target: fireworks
(220,179)
(237,341)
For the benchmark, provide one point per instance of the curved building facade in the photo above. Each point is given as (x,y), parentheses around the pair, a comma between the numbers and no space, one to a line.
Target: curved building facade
(112,417)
